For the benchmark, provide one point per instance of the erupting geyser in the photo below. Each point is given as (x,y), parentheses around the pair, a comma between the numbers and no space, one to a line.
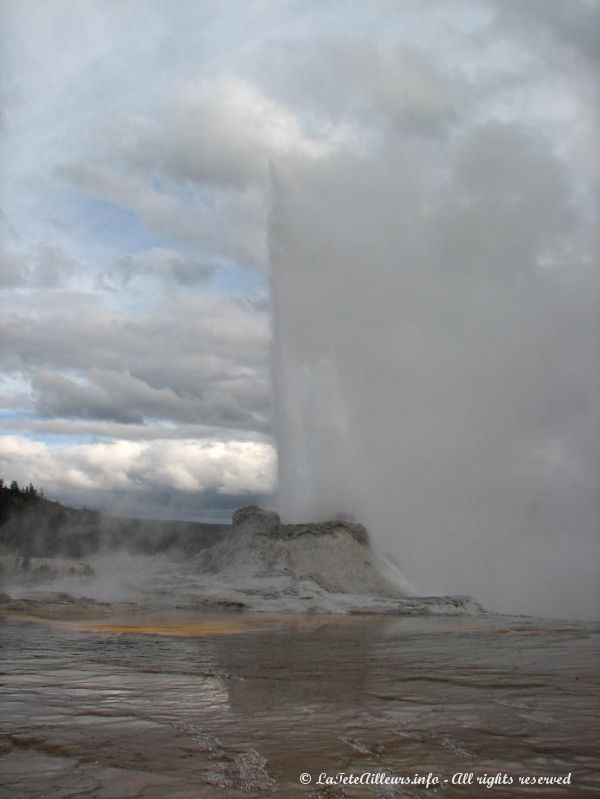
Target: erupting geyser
(431,374)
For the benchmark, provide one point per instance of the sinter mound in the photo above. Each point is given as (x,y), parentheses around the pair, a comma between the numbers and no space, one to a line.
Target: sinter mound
(326,566)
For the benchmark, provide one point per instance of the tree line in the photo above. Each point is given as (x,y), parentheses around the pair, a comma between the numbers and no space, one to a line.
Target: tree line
(29,492)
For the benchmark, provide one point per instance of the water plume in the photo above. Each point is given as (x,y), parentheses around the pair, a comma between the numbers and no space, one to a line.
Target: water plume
(435,323)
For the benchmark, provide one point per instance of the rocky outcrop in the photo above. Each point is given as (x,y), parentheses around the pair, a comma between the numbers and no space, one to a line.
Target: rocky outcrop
(257,521)
(356,531)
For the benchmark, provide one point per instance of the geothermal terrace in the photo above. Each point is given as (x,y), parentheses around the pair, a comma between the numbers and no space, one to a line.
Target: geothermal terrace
(257,564)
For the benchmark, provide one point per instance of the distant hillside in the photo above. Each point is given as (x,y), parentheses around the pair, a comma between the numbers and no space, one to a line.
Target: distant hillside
(33,526)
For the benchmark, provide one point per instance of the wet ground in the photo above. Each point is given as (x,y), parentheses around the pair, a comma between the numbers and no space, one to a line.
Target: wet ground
(240,705)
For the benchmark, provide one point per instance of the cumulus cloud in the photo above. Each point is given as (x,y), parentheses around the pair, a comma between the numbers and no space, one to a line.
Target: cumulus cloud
(366,86)
(226,225)
(227,129)
(232,468)
(200,176)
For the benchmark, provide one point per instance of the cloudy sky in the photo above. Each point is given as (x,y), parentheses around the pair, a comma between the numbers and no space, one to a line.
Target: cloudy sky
(424,173)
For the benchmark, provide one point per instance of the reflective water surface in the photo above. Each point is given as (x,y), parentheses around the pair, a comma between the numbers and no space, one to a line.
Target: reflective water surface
(238,705)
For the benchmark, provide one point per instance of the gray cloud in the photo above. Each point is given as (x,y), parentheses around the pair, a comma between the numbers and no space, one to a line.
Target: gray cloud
(46,266)
(13,270)
(97,429)
(574,26)
(370,85)
(98,364)
(166,265)
(230,225)
(121,397)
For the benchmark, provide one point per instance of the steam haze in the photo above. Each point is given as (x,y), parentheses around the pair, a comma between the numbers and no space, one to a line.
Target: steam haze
(405,193)
(436,339)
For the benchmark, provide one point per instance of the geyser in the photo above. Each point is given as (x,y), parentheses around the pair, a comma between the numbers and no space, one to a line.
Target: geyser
(434,330)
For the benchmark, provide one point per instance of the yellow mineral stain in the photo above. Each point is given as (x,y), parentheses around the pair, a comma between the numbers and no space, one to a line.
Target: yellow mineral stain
(514,631)
(174,629)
